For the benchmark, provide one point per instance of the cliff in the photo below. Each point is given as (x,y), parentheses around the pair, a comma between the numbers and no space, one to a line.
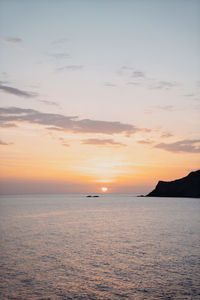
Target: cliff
(188,186)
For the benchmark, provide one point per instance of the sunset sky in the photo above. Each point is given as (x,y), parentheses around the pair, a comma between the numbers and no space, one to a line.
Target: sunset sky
(98,94)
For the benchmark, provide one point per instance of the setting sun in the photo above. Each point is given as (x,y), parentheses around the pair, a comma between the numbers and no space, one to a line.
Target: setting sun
(104,189)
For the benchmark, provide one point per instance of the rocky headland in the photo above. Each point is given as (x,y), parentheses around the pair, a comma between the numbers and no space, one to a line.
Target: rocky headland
(188,186)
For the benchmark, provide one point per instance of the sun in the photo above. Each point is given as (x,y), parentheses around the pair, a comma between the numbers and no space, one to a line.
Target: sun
(104,189)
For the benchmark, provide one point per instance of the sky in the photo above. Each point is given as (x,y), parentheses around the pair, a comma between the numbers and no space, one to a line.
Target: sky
(98,94)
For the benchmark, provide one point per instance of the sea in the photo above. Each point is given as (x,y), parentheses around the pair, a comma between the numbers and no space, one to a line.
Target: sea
(112,247)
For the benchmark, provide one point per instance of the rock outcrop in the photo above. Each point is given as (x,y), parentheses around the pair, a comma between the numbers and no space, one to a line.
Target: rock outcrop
(188,186)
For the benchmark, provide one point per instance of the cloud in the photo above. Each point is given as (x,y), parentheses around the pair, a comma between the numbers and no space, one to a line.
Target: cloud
(64,123)
(131,72)
(71,68)
(141,78)
(166,135)
(25,94)
(17,92)
(194,96)
(7,125)
(138,74)
(14,40)
(134,83)
(4,143)
(190,146)
(165,107)
(64,142)
(102,142)
(61,55)
(165,85)
(189,95)
(145,142)
(49,102)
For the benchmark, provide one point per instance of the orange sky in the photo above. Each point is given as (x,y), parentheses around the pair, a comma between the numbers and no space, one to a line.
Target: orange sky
(87,103)
(35,156)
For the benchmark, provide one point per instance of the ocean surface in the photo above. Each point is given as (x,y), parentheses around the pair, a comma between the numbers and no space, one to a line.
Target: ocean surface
(111,247)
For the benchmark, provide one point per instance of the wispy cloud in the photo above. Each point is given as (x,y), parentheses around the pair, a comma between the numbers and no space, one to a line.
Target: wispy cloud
(132,72)
(164,85)
(24,94)
(17,92)
(64,123)
(102,142)
(164,108)
(140,77)
(193,96)
(7,125)
(49,102)
(60,55)
(64,142)
(190,95)
(190,146)
(14,40)
(145,142)
(152,142)
(138,74)
(71,68)
(168,108)
(5,143)
(166,134)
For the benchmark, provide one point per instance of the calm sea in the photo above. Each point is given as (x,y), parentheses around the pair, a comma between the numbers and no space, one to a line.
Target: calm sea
(111,247)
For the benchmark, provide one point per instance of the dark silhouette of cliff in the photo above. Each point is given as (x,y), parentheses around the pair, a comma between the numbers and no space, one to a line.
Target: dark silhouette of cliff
(188,186)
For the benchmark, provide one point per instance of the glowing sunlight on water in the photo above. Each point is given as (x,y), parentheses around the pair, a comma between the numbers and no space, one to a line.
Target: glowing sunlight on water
(112,247)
